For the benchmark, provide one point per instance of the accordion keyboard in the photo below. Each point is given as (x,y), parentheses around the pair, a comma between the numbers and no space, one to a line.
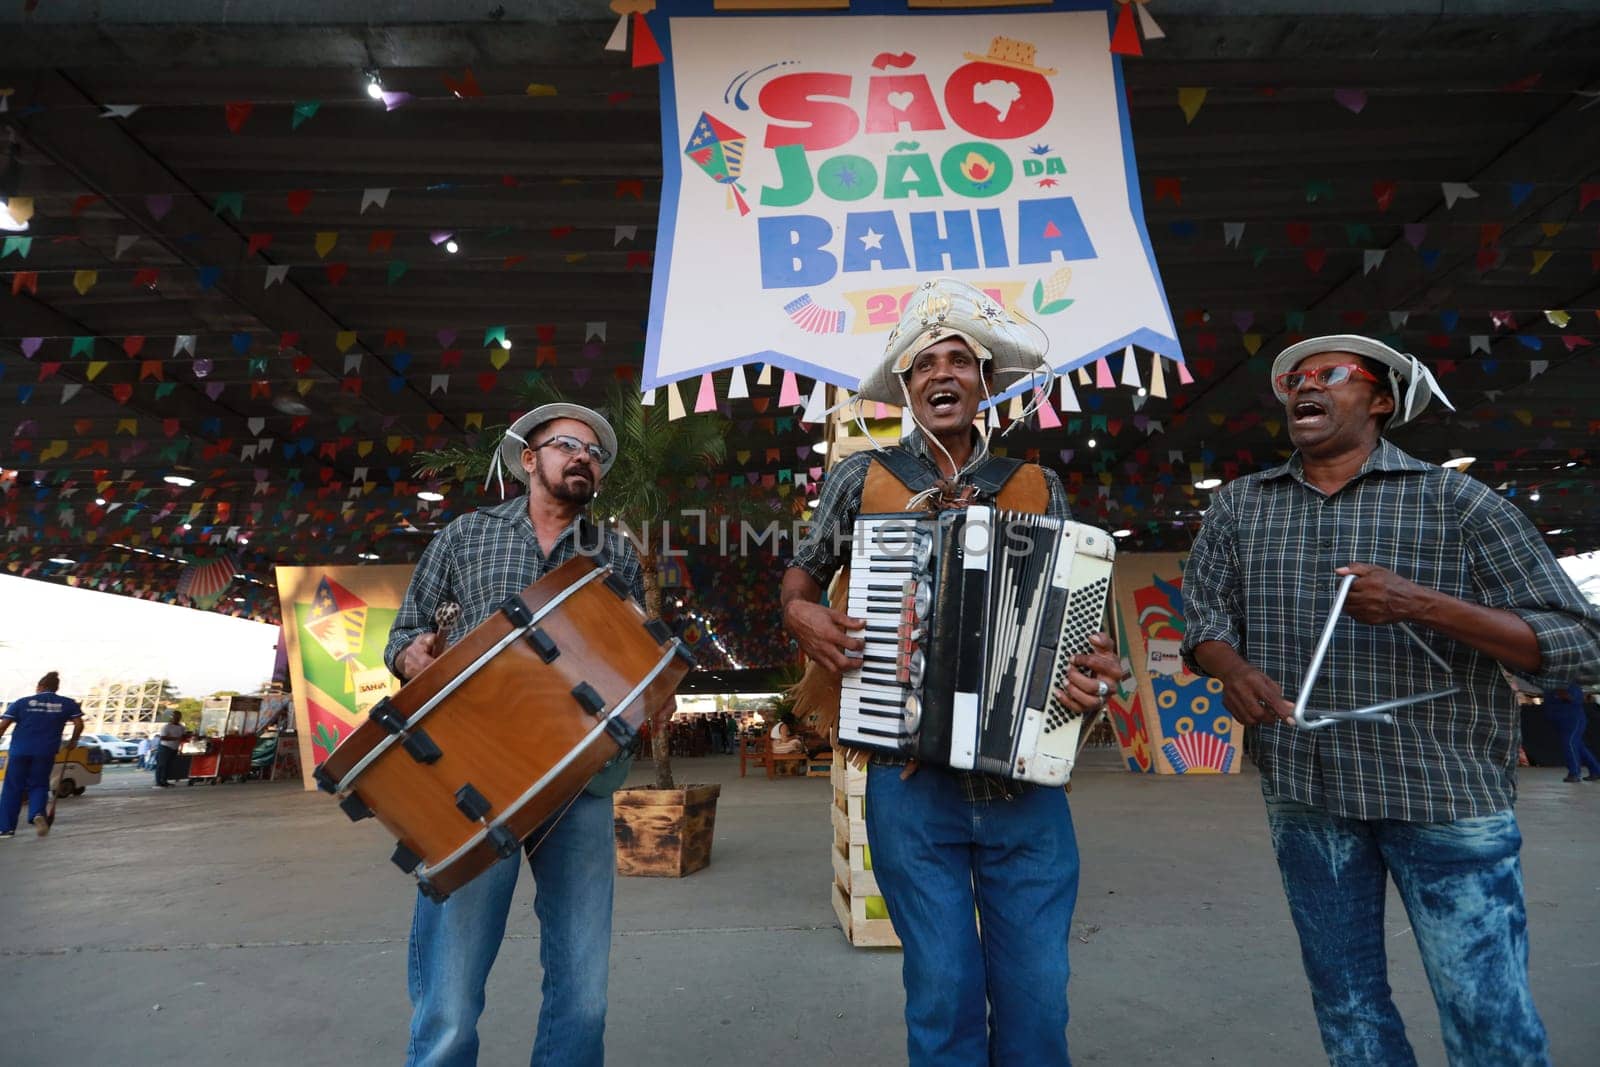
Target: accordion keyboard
(877,705)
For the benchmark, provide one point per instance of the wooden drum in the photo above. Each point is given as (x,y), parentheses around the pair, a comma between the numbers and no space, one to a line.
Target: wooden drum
(501,731)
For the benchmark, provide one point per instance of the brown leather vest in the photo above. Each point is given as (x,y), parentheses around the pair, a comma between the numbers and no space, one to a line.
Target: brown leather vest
(816,696)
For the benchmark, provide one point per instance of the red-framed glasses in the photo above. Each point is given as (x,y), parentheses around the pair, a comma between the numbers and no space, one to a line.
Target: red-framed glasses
(1332,374)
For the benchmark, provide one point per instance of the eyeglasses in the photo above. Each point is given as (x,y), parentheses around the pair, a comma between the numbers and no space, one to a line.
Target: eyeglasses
(1333,374)
(572,447)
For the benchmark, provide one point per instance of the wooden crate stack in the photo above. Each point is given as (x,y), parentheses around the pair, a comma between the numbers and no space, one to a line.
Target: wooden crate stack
(856,899)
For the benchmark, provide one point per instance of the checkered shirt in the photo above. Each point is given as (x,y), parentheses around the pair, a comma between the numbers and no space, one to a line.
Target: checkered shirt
(488,555)
(831,523)
(1261,578)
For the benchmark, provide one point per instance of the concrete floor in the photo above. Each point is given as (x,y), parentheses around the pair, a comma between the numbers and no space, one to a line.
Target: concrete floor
(253,925)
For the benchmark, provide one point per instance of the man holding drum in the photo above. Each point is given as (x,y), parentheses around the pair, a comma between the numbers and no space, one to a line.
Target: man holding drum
(950,847)
(560,452)
(1426,798)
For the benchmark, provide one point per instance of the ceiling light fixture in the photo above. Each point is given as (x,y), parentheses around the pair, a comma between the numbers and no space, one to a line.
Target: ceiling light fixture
(813,502)
(452,247)
(1459,463)
(1122,533)
(374,83)
(820,448)
(178,480)
(64,561)
(1208,483)
(1534,496)
(1092,442)
(367,555)
(430,496)
(1557,531)
(9,222)
(99,501)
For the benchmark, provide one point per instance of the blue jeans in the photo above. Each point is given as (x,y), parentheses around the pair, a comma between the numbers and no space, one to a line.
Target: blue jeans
(1570,726)
(945,865)
(454,944)
(27,774)
(1461,883)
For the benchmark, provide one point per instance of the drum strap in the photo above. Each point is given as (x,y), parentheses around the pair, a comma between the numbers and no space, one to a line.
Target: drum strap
(530,847)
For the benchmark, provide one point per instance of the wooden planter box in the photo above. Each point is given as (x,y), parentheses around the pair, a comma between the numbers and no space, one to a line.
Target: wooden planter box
(665,833)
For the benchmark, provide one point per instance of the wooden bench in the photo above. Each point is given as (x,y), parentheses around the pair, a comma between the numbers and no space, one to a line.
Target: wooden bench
(758,750)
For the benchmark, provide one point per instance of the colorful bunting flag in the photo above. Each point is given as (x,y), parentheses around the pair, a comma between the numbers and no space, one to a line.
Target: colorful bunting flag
(1191,100)
(1352,100)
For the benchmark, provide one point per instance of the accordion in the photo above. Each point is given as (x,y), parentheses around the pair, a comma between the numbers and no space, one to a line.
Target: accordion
(972,619)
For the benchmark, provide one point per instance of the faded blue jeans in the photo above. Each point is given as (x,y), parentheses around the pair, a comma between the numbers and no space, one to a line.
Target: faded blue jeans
(454,944)
(1461,883)
(944,865)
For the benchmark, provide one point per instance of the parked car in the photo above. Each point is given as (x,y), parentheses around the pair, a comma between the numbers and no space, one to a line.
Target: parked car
(115,749)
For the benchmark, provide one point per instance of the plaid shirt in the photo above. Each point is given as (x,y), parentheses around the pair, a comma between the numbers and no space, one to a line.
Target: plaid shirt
(1261,578)
(831,524)
(488,555)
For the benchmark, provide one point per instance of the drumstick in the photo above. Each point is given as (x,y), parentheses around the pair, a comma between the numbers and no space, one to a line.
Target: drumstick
(445,616)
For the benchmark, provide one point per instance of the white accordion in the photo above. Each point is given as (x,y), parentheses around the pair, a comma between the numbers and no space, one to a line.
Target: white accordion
(972,619)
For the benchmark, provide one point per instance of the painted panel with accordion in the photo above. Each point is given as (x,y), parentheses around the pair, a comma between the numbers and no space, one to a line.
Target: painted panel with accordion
(972,619)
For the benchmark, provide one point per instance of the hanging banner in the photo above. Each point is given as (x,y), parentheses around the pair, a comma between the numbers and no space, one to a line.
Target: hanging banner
(1188,729)
(818,167)
(337,621)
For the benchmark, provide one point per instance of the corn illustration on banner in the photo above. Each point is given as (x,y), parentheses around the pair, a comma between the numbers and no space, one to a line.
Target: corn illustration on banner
(817,167)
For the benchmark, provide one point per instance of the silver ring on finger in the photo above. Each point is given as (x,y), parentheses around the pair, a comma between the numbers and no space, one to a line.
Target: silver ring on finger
(1102,690)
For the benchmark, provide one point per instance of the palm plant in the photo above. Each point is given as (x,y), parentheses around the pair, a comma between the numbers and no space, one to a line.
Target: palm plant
(653,455)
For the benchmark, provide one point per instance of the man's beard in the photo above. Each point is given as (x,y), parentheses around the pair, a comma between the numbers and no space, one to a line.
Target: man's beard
(560,490)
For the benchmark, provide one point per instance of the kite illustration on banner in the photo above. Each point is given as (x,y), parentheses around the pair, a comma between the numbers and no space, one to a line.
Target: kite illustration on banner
(718,149)
(338,622)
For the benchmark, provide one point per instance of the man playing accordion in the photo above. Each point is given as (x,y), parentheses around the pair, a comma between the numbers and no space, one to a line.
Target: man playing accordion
(952,848)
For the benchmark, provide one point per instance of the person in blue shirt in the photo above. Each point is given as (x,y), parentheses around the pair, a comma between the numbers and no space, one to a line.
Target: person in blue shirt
(39,720)
(1564,708)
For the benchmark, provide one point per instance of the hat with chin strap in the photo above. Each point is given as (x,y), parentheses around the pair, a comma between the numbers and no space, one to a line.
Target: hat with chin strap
(1004,342)
(1411,383)
(508,456)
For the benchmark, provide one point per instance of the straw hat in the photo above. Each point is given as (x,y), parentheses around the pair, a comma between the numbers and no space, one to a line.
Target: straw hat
(1009,52)
(1412,384)
(945,307)
(516,438)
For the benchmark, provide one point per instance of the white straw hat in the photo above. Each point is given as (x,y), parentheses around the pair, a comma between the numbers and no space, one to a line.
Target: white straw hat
(944,308)
(1412,384)
(508,457)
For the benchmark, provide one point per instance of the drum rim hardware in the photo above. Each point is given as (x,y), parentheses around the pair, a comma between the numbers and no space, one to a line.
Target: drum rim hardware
(601,727)
(516,634)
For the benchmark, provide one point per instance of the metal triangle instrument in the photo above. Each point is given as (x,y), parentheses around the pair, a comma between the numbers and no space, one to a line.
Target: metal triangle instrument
(1308,719)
